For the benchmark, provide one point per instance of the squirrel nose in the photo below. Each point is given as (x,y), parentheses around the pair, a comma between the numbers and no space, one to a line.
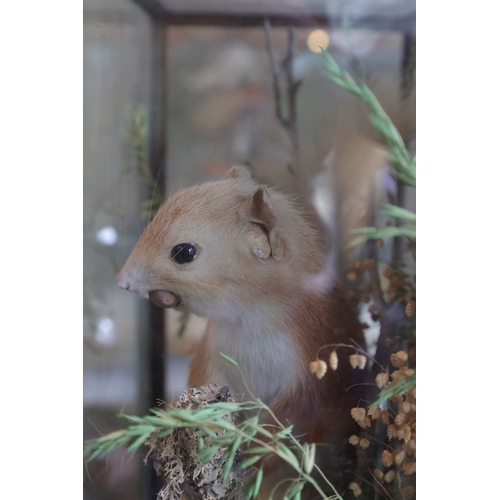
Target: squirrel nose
(122,282)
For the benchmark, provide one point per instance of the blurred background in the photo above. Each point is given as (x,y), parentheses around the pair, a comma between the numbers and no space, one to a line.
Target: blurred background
(175,93)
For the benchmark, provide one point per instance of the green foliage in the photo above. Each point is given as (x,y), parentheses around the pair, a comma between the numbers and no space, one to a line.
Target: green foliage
(250,437)
(403,162)
(136,147)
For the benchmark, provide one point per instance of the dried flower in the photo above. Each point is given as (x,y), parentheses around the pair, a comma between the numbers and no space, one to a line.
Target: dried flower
(354,440)
(351,276)
(389,477)
(405,407)
(379,243)
(387,458)
(411,446)
(409,309)
(364,443)
(408,491)
(404,432)
(399,359)
(359,414)
(391,431)
(409,468)
(318,368)
(375,412)
(378,474)
(355,489)
(399,458)
(357,361)
(381,379)
(400,419)
(334,360)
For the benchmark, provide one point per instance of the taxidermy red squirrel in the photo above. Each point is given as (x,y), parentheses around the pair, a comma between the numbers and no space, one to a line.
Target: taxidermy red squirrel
(243,256)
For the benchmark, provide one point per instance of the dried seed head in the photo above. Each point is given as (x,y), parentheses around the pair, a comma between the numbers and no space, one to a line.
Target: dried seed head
(378,474)
(387,272)
(409,468)
(404,433)
(334,360)
(354,440)
(391,431)
(318,368)
(355,489)
(381,379)
(408,491)
(409,309)
(375,412)
(387,458)
(400,419)
(389,477)
(405,407)
(359,414)
(399,359)
(411,446)
(386,417)
(364,443)
(357,361)
(399,458)
(351,276)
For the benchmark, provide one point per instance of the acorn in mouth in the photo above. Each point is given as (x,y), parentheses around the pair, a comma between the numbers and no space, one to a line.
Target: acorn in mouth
(164,298)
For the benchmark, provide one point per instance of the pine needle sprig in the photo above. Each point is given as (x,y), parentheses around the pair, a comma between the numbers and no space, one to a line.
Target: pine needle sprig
(218,431)
(399,156)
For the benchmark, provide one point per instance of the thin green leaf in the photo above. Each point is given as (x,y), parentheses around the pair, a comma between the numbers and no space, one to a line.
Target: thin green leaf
(397,388)
(207,454)
(138,442)
(250,461)
(398,212)
(258,482)
(227,358)
(288,456)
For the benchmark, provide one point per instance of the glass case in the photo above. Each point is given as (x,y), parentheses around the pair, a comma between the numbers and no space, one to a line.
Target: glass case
(175,93)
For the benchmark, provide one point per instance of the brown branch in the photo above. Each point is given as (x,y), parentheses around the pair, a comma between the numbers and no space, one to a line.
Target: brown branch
(289,123)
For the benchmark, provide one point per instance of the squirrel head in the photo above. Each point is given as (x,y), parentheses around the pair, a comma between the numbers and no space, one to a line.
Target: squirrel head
(220,248)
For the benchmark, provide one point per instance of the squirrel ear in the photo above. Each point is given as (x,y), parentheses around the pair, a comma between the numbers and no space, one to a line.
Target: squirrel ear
(237,172)
(259,210)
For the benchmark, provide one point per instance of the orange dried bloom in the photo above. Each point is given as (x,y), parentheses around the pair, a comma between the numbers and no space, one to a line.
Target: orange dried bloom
(387,458)
(334,360)
(399,359)
(381,379)
(351,276)
(318,368)
(364,443)
(354,440)
(355,489)
(389,477)
(378,474)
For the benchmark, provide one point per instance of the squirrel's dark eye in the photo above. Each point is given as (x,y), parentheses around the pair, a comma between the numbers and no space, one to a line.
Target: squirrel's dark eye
(183,253)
